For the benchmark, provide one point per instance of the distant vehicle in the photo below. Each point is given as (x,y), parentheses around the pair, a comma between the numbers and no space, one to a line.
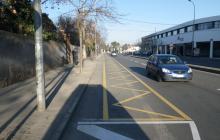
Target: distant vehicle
(166,67)
(114,54)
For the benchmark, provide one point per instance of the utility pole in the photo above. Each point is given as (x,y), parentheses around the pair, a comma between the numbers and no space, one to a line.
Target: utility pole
(193,33)
(81,33)
(39,61)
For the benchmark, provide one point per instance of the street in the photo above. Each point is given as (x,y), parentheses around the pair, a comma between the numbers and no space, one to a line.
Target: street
(121,102)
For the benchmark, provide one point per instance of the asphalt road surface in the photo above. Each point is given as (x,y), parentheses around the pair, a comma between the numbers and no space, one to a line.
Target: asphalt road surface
(122,103)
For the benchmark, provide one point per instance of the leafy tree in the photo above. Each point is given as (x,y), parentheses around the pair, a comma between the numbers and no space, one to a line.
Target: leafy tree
(69,26)
(16,16)
(49,29)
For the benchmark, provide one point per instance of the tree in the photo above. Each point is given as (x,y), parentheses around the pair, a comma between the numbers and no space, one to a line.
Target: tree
(69,26)
(115,44)
(49,29)
(16,16)
(84,9)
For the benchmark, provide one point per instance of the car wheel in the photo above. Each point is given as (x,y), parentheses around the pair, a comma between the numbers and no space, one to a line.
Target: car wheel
(147,72)
(159,79)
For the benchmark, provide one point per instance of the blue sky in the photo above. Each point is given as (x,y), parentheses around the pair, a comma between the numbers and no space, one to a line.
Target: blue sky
(132,28)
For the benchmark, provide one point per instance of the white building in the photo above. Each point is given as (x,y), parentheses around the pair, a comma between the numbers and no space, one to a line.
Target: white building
(131,49)
(178,39)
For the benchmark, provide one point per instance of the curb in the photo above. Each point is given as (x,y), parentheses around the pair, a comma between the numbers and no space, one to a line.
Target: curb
(57,134)
(196,67)
(206,69)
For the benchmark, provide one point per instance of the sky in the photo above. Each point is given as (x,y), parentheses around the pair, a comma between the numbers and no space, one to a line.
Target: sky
(143,17)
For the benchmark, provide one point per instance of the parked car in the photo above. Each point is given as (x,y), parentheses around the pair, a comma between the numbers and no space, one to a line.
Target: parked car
(166,67)
(114,54)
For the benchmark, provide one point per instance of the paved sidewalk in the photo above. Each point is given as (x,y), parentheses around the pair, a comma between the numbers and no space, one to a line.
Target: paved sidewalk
(50,124)
(65,95)
(201,61)
(18,101)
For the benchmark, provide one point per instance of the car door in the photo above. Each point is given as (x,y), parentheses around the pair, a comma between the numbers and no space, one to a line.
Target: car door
(149,63)
(154,65)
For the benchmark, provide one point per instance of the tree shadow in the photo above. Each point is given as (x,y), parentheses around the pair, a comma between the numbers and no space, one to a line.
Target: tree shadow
(30,106)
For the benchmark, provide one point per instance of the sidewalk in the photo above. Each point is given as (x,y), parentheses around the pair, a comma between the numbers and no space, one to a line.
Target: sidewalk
(200,63)
(63,94)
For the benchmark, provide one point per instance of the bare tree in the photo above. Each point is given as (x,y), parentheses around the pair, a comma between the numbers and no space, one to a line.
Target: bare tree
(84,9)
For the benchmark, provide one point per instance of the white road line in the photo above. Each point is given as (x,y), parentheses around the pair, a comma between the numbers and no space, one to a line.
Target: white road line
(101,133)
(194,130)
(133,122)
(218,89)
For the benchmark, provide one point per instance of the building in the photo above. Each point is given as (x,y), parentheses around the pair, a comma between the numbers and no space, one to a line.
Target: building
(131,49)
(179,39)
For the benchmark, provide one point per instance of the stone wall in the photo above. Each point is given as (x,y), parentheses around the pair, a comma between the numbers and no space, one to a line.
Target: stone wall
(17,57)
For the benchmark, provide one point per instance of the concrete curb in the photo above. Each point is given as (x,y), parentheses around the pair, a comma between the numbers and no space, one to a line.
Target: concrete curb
(206,69)
(196,67)
(67,117)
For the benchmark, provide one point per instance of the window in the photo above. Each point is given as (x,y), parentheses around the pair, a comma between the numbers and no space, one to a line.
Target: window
(182,30)
(160,36)
(164,35)
(204,26)
(217,24)
(175,32)
(169,34)
(189,28)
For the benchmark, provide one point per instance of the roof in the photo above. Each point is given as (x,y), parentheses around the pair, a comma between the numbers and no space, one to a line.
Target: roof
(188,23)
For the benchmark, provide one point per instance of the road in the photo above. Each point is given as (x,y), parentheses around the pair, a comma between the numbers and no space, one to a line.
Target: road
(122,103)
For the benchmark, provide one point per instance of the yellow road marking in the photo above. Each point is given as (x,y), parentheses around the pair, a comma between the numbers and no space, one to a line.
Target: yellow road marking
(128,88)
(116,72)
(105,96)
(186,117)
(115,77)
(148,112)
(128,83)
(130,99)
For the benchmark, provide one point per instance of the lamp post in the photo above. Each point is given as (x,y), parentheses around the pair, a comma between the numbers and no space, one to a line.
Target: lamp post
(193,32)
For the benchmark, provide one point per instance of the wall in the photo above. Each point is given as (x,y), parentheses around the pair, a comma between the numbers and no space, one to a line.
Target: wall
(17,58)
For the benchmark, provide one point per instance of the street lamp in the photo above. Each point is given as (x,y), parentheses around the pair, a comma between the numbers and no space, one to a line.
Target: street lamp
(193,33)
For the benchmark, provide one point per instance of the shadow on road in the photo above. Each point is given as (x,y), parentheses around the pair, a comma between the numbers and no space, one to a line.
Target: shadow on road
(87,106)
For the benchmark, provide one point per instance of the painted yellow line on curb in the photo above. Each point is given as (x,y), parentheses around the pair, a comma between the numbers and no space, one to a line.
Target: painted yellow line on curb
(105,96)
(186,117)
(130,99)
